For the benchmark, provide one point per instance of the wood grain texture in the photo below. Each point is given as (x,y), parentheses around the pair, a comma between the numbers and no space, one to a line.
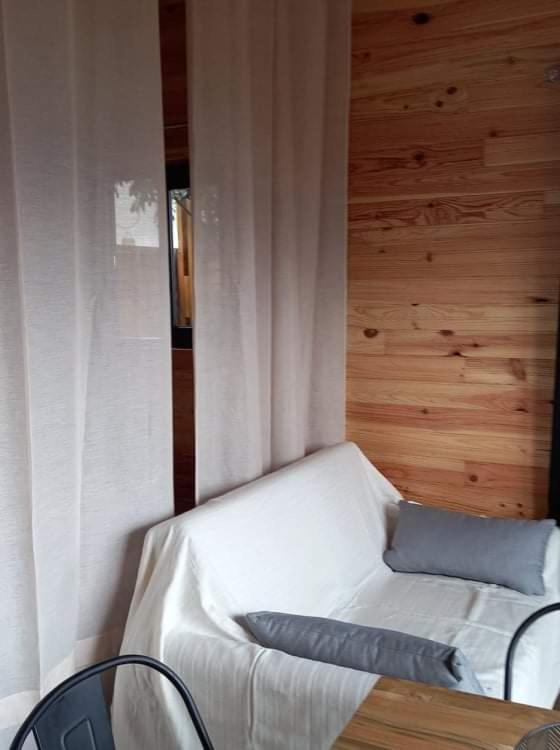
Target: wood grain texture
(459,210)
(173,48)
(388,41)
(522,149)
(474,290)
(454,248)
(472,96)
(402,715)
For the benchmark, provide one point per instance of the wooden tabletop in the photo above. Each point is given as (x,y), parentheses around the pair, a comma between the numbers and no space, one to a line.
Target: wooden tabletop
(401,715)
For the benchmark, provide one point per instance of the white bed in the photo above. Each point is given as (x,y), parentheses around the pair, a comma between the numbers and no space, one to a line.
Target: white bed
(306,540)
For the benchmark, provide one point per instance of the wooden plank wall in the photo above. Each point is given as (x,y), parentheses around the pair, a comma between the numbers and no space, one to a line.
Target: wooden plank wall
(183,429)
(174,92)
(454,247)
(173,43)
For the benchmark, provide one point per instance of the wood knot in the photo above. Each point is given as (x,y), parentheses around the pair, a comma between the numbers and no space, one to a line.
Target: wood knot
(446,332)
(518,370)
(452,90)
(473,478)
(370,333)
(421,19)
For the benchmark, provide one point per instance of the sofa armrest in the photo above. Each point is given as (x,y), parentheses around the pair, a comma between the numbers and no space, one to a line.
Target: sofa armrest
(301,704)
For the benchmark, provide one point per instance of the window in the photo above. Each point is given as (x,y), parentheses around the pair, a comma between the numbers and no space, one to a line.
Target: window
(180,253)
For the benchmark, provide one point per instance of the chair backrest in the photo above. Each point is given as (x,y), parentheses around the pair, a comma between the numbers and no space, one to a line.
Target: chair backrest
(78,720)
(542,738)
(74,715)
(508,681)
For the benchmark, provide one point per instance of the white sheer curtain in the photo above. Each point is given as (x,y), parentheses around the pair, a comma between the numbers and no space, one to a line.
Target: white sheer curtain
(269,82)
(85,435)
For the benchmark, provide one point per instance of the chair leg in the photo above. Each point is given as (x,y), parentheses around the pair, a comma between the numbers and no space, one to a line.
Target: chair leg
(508,678)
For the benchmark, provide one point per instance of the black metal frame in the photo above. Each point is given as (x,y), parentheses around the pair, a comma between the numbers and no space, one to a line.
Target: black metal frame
(42,708)
(508,680)
(177,177)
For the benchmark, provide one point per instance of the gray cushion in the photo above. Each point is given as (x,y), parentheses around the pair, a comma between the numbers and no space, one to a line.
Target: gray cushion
(493,550)
(384,652)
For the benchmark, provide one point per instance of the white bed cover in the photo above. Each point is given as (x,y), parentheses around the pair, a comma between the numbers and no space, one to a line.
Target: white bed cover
(307,539)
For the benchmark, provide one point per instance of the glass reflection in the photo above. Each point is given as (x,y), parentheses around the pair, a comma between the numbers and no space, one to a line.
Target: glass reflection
(180,209)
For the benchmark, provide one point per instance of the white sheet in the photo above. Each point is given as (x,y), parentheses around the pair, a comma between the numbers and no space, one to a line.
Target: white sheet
(309,540)
(477,618)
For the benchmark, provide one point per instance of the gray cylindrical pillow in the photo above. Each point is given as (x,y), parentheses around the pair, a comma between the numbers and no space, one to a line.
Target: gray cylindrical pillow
(376,650)
(507,552)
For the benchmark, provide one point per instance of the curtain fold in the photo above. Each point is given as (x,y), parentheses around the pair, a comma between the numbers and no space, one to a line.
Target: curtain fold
(85,402)
(269,91)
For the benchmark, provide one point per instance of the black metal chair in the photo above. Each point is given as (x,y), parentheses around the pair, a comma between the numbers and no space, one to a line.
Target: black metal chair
(74,716)
(508,681)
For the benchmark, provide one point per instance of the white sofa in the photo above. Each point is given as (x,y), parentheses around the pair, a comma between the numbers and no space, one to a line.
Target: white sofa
(306,540)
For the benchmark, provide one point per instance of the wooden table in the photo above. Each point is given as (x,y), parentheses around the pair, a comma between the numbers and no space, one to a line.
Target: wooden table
(401,715)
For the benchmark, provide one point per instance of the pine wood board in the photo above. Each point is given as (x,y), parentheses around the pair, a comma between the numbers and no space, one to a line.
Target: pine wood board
(455,238)
(506,371)
(413,46)
(478,344)
(517,502)
(519,401)
(529,318)
(522,149)
(512,481)
(369,6)
(402,369)
(538,373)
(380,441)
(394,21)
(510,290)
(455,94)
(527,417)
(489,66)
(416,130)
(521,479)
(450,211)
(374,177)
(429,263)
